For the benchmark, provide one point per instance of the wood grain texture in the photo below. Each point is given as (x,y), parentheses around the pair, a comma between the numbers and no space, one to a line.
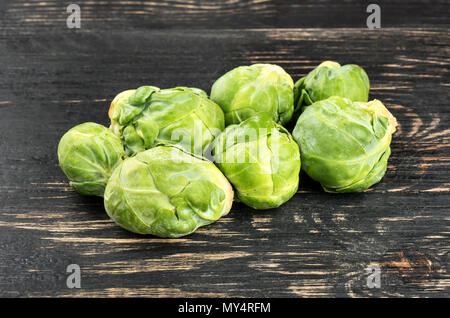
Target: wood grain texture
(315,245)
(220,14)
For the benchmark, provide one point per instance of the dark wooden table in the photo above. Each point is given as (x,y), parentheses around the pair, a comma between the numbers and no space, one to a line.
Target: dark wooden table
(317,244)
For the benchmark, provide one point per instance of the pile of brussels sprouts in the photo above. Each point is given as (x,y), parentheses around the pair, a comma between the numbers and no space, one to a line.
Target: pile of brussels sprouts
(172,159)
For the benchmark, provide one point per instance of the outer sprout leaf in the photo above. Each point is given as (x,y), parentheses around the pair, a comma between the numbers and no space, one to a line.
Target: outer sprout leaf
(344,145)
(261,160)
(256,89)
(167,192)
(181,116)
(88,154)
(332,79)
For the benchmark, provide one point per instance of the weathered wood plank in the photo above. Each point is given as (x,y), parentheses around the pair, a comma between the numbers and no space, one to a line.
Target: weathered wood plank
(125,15)
(317,244)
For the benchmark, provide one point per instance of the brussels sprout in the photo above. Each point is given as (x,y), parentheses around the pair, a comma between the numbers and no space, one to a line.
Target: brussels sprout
(249,90)
(181,116)
(261,160)
(167,192)
(332,79)
(345,145)
(88,154)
